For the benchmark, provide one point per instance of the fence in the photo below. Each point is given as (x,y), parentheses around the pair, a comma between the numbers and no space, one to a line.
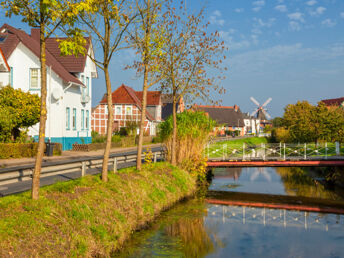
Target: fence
(274,151)
(81,165)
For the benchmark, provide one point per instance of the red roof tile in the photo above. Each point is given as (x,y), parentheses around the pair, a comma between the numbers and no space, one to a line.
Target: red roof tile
(9,44)
(72,63)
(34,46)
(153,97)
(5,61)
(126,95)
(333,102)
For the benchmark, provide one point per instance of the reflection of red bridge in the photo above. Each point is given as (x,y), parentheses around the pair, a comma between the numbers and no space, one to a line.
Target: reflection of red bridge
(275,202)
(276,163)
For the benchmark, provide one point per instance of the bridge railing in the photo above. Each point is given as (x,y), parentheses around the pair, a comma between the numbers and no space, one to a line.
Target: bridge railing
(274,151)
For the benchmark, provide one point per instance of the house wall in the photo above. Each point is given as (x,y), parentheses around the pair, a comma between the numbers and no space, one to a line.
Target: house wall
(99,118)
(4,79)
(22,59)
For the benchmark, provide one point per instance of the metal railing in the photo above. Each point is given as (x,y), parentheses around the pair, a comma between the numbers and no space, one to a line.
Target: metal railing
(274,151)
(116,160)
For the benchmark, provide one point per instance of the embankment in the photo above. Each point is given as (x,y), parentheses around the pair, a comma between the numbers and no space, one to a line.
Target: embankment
(87,217)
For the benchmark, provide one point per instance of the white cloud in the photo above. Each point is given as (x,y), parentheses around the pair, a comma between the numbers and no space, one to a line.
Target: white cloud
(280,1)
(294,26)
(318,11)
(311,2)
(258,5)
(328,23)
(281,8)
(215,18)
(342,15)
(260,23)
(239,10)
(297,16)
(231,43)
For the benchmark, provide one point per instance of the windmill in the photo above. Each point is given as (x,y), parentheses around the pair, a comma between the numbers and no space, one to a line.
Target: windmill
(261,112)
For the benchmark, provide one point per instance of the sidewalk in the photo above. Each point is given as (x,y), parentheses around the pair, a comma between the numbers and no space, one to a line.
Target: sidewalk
(67,155)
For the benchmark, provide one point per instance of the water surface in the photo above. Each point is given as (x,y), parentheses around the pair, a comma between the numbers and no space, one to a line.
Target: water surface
(198,229)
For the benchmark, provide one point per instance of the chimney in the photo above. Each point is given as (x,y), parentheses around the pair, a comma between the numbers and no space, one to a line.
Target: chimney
(236,108)
(35,33)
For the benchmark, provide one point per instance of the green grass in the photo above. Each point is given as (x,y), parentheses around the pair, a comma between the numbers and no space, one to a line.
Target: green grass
(87,217)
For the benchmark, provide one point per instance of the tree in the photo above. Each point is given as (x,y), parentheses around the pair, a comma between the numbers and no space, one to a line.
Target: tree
(48,16)
(18,110)
(277,122)
(188,57)
(308,123)
(107,22)
(298,118)
(148,39)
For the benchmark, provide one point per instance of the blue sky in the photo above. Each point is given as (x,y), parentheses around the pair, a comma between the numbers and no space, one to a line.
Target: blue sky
(289,50)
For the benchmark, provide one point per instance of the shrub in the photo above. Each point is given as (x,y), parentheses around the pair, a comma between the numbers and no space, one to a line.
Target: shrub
(193,130)
(23,150)
(280,134)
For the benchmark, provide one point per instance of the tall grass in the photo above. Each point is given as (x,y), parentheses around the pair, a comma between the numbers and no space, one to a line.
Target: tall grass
(193,130)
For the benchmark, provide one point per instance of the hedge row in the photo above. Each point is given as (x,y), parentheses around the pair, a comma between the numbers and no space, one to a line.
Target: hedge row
(127,141)
(23,150)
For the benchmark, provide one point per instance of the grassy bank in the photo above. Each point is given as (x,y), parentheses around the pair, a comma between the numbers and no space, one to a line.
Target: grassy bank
(86,217)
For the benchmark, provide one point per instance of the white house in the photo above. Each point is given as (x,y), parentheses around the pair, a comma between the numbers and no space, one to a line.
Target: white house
(69,83)
(252,124)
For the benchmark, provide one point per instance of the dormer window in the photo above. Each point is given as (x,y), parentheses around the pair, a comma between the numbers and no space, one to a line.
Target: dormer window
(2,39)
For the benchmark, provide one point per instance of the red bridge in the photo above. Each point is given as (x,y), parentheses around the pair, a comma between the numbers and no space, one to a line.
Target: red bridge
(275,163)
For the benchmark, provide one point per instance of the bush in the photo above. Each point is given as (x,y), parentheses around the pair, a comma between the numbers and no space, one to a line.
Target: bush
(23,150)
(280,134)
(192,135)
(97,138)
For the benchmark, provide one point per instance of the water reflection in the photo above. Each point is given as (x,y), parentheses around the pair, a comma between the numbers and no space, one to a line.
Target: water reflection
(276,217)
(199,229)
(269,180)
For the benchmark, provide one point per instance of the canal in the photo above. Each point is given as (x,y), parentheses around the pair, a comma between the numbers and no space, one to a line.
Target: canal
(197,228)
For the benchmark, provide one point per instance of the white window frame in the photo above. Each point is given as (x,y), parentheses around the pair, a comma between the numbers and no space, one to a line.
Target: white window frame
(131,110)
(120,110)
(38,78)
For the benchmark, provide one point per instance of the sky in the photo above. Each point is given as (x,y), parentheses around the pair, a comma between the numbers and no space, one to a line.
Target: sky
(288,50)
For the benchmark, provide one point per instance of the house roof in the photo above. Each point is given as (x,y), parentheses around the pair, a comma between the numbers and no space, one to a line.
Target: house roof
(74,64)
(226,115)
(333,102)
(126,95)
(167,105)
(15,36)
(3,67)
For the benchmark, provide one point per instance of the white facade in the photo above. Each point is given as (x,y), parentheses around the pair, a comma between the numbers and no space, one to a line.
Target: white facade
(252,125)
(68,107)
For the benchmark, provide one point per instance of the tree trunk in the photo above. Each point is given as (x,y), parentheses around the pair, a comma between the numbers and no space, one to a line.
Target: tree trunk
(174,133)
(109,125)
(43,118)
(143,118)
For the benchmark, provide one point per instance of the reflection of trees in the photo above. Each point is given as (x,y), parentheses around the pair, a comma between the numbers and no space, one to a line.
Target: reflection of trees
(195,240)
(297,182)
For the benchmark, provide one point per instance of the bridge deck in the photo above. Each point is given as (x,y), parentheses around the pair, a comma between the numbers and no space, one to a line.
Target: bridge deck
(275,202)
(276,163)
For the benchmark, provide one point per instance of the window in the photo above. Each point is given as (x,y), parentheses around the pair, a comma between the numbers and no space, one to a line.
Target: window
(128,110)
(2,38)
(74,118)
(34,78)
(87,118)
(11,76)
(67,118)
(88,86)
(82,119)
(118,110)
